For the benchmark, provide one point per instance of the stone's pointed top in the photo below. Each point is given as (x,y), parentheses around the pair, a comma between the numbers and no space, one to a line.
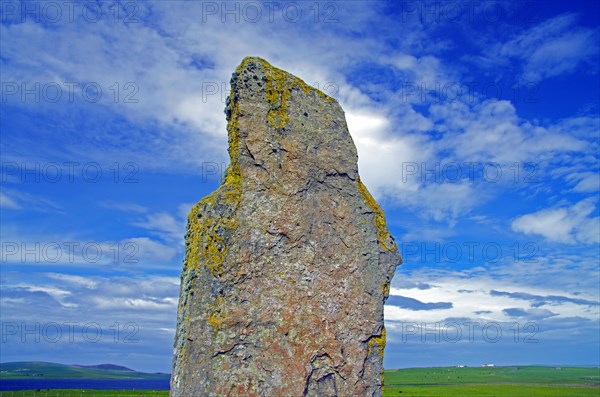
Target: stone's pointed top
(248,59)
(254,60)
(249,65)
(285,129)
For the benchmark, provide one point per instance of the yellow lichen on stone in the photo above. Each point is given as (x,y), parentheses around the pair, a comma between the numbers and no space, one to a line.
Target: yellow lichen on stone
(378,341)
(217,315)
(385,289)
(323,95)
(278,89)
(205,245)
(204,239)
(303,86)
(379,218)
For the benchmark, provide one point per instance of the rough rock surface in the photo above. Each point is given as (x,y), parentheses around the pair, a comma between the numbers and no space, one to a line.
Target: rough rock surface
(287,264)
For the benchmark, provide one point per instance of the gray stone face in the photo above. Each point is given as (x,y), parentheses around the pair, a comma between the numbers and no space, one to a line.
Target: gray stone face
(287,264)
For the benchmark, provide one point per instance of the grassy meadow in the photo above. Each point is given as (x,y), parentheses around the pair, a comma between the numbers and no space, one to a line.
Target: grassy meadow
(513,381)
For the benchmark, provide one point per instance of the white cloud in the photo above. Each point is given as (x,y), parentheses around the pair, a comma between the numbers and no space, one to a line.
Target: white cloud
(491,131)
(94,295)
(164,225)
(87,282)
(392,137)
(103,302)
(552,48)
(567,224)
(148,250)
(12,301)
(388,155)
(586,182)
(127,254)
(58,294)
(13,199)
(392,146)
(566,285)
(8,203)
(125,207)
(380,154)
(426,72)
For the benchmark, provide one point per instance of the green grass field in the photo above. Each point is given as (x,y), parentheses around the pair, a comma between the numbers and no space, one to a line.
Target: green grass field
(511,381)
(514,381)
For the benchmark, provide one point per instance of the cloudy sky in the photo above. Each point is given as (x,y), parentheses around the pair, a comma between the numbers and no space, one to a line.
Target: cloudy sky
(477,127)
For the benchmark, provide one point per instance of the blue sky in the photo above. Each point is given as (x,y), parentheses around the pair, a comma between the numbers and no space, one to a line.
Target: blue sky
(476,123)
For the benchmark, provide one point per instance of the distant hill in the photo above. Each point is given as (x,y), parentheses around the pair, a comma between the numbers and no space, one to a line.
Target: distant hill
(28,369)
(106,366)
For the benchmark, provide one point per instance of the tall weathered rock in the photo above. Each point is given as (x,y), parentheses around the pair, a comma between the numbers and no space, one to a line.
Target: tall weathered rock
(289,262)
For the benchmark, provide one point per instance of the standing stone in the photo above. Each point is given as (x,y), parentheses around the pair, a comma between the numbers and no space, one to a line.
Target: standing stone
(289,262)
